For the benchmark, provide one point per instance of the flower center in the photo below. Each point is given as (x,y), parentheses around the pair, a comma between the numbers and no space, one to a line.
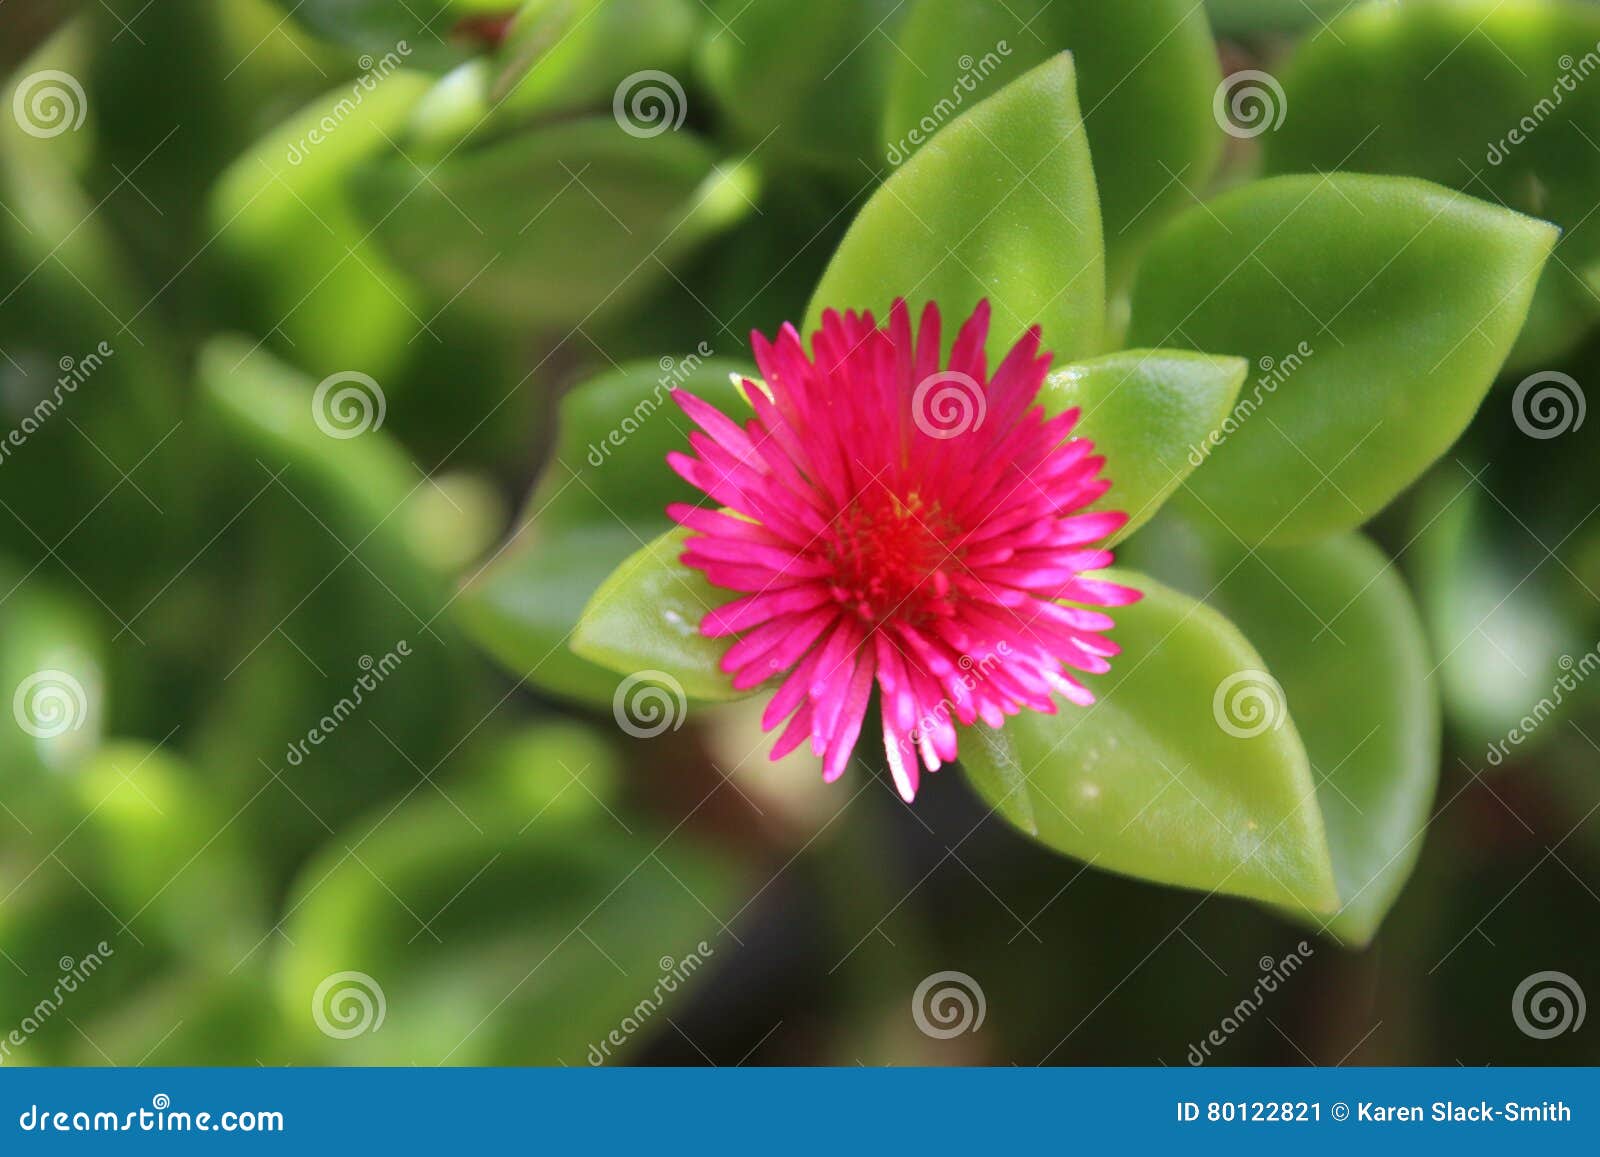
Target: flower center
(891,557)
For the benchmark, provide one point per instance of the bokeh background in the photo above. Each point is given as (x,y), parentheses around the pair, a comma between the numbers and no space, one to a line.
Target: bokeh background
(471,865)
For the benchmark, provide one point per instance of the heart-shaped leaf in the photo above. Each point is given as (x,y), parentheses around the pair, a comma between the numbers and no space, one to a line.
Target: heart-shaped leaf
(1151,414)
(1378,310)
(1187,770)
(1001,204)
(1146,74)
(1492,99)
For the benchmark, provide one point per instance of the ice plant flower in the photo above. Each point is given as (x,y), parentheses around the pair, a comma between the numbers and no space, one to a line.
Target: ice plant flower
(896,522)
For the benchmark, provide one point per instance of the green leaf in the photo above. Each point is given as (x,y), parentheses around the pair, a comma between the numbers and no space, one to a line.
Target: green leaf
(426,28)
(1146,74)
(1001,204)
(294,248)
(1340,632)
(559,55)
(1150,413)
(1187,770)
(52,681)
(474,965)
(552,225)
(1377,310)
(646,618)
(1492,99)
(802,79)
(601,498)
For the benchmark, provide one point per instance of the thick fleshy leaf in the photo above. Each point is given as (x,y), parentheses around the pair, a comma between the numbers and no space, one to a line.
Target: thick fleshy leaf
(602,496)
(1377,310)
(1490,98)
(434,926)
(1187,770)
(549,226)
(1146,74)
(1001,204)
(1150,413)
(1340,633)
(802,79)
(646,618)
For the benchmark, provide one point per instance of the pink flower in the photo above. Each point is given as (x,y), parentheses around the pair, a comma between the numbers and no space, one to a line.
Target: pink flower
(900,524)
